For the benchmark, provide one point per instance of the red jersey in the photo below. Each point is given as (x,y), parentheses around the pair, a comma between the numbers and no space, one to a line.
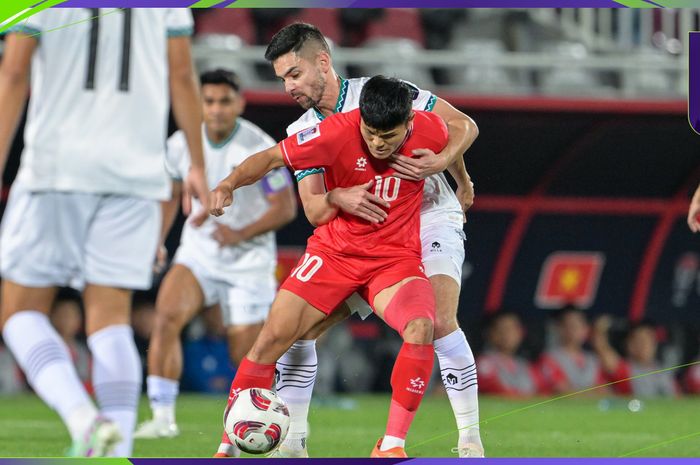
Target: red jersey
(336,144)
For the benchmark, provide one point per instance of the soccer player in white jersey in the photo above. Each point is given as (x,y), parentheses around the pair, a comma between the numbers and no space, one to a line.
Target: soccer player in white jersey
(229,261)
(301,59)
(84,211)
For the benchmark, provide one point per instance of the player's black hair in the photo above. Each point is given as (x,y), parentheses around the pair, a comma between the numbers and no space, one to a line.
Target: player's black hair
(560,314)
(221,76)
(491,321)
(293,38)
(385,103)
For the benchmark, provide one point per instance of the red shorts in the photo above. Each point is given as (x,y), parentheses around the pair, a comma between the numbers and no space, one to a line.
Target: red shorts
(325,280)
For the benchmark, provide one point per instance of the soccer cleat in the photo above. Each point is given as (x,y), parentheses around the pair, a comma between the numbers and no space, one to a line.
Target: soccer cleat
(99,440)
(155,429)
(394,452)
(284,451)
(469,450)
(227,451)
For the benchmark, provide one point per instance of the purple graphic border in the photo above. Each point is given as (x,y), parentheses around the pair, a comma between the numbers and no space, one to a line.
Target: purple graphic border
(694,81)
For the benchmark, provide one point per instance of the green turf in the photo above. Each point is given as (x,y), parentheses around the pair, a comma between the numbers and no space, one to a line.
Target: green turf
(564,428)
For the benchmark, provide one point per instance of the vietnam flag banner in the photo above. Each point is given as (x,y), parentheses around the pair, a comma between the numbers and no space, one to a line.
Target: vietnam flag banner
(569,278)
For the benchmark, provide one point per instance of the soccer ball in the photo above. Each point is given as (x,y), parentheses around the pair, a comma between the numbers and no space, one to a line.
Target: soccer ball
(257,421)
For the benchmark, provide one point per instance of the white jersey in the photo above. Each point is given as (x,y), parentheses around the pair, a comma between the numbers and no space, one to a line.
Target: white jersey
(439,200)
(98,112)
(258,254)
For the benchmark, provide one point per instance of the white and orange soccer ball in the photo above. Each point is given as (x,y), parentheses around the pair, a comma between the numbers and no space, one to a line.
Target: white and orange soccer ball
(257,421)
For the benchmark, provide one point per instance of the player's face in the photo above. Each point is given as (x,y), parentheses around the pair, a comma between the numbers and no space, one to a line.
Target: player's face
(382,144)
(573,329)
(507,334)
(303,79)
(221,105)
(641,345)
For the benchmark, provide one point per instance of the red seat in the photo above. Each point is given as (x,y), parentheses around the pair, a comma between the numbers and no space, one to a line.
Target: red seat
(397,23)
(235,21)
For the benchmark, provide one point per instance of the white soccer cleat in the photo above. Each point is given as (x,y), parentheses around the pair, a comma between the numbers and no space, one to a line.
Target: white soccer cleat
(284,451)
(154,429)
(99,441)
(469,450)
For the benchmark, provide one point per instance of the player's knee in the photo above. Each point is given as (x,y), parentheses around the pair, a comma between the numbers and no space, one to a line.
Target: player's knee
(168,322)
(419,331)
(445,324)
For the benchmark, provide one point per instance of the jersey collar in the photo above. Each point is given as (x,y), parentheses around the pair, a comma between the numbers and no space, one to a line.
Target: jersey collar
(340,103)
(225,141)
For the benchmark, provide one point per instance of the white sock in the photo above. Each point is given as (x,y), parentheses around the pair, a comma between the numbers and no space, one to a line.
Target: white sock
(162,394)
(116,375)
(458,371)
(389,442)
(44,358)
(295,376)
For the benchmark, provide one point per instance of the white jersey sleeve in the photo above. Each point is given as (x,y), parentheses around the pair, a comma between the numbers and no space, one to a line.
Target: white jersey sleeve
(179,22)
(98,110)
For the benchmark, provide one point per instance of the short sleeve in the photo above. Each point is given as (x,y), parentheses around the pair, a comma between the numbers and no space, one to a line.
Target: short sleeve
(179,22)
(175,157)
(310,148)
(422,99)
(35,24)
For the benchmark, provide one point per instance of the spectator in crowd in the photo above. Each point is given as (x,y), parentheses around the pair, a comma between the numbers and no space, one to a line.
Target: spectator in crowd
(207,366)
(67,317)
(567,366)
(641,357)
(501,370)
(694,211)
(691,379)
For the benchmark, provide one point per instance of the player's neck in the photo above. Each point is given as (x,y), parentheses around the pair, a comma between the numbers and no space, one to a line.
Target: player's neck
(329,100)
(219,138)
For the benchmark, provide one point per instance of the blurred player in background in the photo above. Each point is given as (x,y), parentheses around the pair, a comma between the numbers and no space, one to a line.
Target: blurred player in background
(640,358)
(348,254)
(229,261)
(501,370)
(302,60)
(84,211)
(568,367)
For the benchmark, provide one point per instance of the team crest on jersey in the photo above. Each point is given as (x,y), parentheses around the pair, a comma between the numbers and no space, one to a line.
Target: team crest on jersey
(361,164)
(308,134)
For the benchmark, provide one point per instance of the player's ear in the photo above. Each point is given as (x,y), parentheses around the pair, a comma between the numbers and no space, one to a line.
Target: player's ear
(240,104)
(324,61)
(410,117)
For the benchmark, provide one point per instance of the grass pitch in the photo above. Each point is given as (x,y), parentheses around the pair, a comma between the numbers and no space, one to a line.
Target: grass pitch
(564,428)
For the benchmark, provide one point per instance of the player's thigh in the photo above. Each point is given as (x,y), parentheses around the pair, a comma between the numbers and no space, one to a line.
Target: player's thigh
(180,297)
(106,306)
(121,242)
(340,314)
(42,236)
(16,298)
(290,317)
(241,339)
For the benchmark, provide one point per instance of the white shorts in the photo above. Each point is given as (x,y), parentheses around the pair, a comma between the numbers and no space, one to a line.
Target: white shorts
(71,238)
(443,253)
(245,299)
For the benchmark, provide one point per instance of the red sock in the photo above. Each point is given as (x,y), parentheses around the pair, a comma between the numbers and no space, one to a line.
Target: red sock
(409,380)
(249,375)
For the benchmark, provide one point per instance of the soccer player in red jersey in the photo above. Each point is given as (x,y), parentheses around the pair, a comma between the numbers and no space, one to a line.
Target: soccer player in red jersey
(381,261)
